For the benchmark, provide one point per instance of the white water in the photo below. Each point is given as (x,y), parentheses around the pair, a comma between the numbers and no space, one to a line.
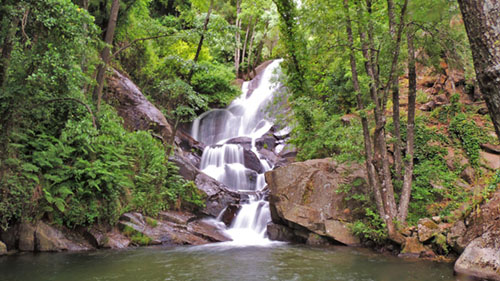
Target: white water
(245,117)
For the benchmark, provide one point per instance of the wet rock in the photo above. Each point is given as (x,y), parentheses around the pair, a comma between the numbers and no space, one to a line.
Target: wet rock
(283,133)
(26,237)
(317,240)
(3,248)
(269,156)
(252,161)
(288,151)
(10,237)
(244,142)
(207,231)
(186,168)
(137,112)
(427,229)
(278,232)
(230,213)
(266,142)
(481,258)
(309,194)
(490,160)
(178,217)
(218,195)
(188,144)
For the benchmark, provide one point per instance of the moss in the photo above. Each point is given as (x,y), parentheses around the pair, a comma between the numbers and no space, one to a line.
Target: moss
(136,237)
(307,193)
(151,222)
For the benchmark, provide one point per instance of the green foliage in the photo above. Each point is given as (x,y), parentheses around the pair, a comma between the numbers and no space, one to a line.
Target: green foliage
(215,83)
(325,135)
(136,237)
(469,134)
(88,176)
(371,228)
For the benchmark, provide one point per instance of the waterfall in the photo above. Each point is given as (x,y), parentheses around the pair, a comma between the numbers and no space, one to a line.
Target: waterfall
(230,135)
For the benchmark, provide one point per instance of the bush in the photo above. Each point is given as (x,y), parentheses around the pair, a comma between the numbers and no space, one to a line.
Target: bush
(85,175)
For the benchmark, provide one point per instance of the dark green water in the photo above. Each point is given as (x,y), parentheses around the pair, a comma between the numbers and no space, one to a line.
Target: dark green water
(218,262)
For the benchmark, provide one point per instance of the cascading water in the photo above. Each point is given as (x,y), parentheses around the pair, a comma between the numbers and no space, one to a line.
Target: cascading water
(245,117)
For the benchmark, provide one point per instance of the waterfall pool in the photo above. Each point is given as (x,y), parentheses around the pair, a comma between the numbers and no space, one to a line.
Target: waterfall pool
(221,261)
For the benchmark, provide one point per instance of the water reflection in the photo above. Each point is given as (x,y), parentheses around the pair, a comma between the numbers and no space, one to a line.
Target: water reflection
(221,262)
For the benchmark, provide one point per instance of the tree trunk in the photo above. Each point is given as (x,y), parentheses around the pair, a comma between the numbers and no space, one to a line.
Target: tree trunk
(106,53)
(410,131)
(237,38)
(482,21)
(202,37)
(250,48)
(246,40)
(372,181)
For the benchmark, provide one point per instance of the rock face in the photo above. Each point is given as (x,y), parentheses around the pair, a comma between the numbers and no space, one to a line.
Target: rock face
(480,236)
(176,230)
(41,237)
(137,112)
(218,196)
(481,258)
(313,195)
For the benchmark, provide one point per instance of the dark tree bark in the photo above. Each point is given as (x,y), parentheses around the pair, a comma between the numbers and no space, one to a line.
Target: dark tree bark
(482,22)
(202,37)
(106,52)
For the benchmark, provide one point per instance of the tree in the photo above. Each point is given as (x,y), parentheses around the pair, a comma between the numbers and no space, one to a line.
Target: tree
(482,20)
(106,52)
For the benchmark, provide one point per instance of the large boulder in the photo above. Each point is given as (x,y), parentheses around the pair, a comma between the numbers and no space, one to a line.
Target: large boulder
(42,237)
(314,195)
(481,258)
(137,112)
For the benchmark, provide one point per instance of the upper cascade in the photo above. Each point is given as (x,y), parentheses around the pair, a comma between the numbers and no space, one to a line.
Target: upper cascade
(245,116)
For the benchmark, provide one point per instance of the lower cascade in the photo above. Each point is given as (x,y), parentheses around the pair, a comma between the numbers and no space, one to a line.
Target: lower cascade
(230,135)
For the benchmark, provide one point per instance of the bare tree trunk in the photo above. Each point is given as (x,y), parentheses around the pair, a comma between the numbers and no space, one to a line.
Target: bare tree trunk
(372,181)
(259,52)
(410,131)
(237,37)
(202,37)
(250,47)
(482,21)
(246,40)
(106,52)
